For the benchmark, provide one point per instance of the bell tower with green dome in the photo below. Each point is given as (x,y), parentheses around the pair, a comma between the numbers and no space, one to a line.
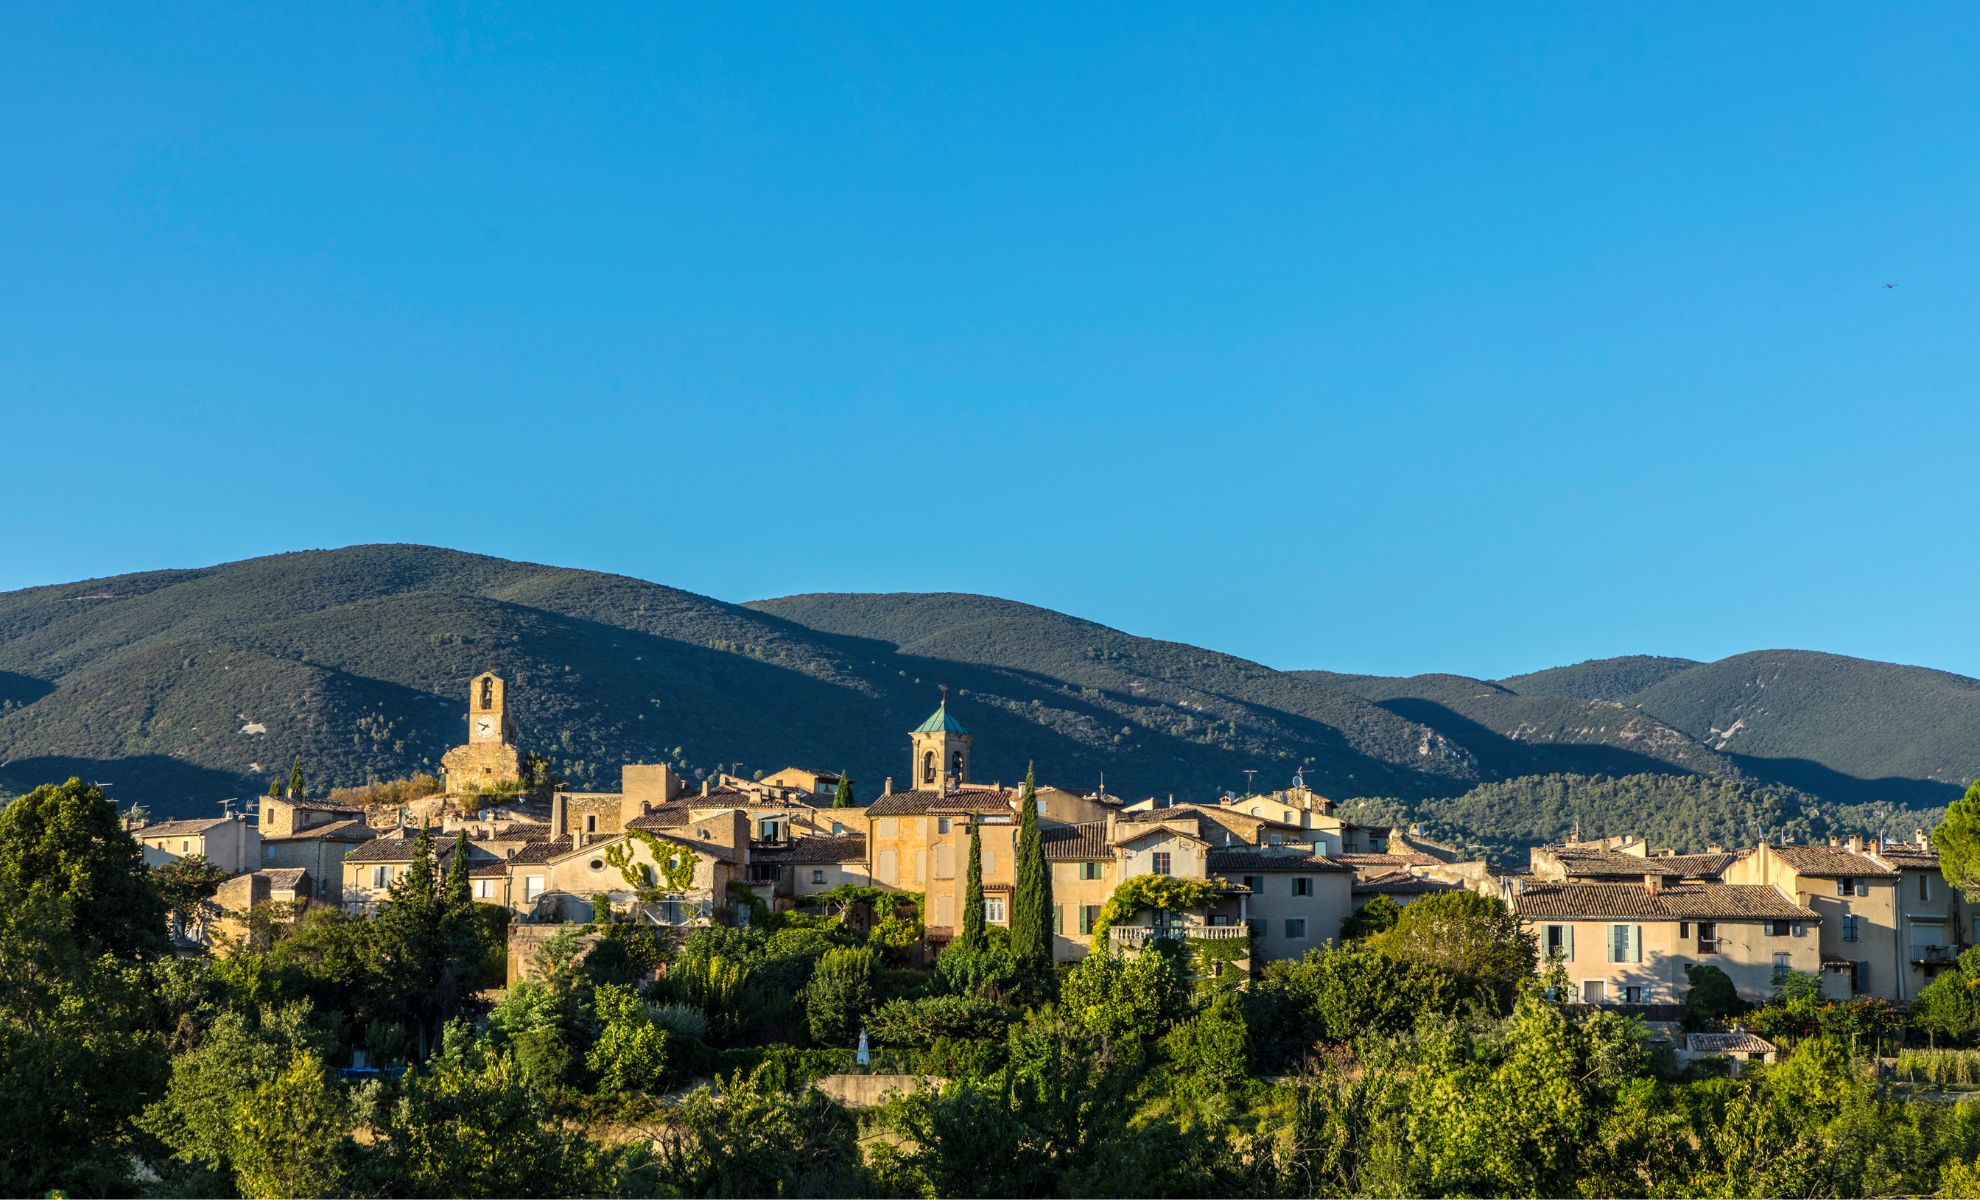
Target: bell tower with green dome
(941,750)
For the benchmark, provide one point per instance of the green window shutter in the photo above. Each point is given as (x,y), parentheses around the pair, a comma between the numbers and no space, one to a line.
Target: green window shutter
(1567,941)
(1636,943)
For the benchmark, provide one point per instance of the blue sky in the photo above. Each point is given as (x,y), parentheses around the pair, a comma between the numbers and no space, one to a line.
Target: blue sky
(1390,338)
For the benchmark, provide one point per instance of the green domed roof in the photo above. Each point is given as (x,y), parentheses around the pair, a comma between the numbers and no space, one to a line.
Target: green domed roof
(941,722)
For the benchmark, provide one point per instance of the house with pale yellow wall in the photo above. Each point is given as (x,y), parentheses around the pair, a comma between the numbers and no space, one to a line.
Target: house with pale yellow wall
(1629,943)
(1857,898)
(229,843)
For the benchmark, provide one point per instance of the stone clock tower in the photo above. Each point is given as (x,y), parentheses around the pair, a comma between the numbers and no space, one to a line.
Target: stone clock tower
(490,754)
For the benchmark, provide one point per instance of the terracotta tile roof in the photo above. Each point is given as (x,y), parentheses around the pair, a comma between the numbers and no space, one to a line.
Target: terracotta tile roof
(308,805)
(665,816)
(1683,902)
(968,799)
(335,831)
(1737,1042)
(540,851)
(1829,861)
(1382,862)
(850,848)
(1910,856)
(1611,864)
(1400,883)
(185,828)
(282,879)
(1084,842)
(1264,859)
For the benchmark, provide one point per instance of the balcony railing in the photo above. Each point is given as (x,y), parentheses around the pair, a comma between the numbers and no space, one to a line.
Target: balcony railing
(1135,937)
(1710,945)
(1935,956)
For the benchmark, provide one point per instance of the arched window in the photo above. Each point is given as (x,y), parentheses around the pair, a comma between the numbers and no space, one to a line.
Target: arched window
(955,767)
(488,693)
(928,767)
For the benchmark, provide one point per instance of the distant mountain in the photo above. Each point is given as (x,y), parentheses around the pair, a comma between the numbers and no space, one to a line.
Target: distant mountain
(1842,728)
(183,687)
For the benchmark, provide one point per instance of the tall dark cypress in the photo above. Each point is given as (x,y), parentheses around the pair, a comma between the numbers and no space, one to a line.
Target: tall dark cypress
(973,936)
(1031,901)
(842,796)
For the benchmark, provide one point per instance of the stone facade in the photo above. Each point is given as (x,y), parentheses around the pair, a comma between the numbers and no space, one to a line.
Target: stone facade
(489,756)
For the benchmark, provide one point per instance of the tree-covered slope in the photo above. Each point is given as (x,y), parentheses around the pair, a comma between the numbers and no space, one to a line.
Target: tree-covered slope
(1599,678)
(181,687)
(1842,727)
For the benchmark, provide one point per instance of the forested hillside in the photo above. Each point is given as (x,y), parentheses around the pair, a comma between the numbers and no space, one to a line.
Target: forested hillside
(179,688)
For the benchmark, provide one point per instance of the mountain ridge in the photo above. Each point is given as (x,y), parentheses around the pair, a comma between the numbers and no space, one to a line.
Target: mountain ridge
(183,686)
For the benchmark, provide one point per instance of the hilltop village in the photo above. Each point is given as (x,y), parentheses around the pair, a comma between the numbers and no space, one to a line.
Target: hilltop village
(1279,873)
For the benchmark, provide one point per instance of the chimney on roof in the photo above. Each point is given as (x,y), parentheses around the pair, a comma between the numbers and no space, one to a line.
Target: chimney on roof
(887,789)
(1714,848)
(1923,839)
(1856,843)
(1653,883)
(705,783)
(1834,841)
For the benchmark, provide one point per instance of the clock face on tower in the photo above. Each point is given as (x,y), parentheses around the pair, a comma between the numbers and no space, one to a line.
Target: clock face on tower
(484,727)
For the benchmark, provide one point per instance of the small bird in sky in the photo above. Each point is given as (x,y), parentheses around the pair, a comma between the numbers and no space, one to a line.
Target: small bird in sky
(1890,285)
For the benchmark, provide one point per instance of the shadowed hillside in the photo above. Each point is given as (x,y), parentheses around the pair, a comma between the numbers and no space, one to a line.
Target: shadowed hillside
(183,687)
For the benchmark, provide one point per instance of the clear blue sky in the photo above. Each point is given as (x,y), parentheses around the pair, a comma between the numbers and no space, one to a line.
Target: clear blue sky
(1380,338)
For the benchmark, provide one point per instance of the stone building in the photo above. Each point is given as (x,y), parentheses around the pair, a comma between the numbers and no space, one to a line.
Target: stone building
(489,757)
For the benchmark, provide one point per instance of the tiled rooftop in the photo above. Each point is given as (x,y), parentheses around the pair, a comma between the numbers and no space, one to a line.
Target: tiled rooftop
(851,848)
(1684,902)
(1829,861)
(1076,843)
(186,828)
(970,798)
(1613,864)
(1264,859)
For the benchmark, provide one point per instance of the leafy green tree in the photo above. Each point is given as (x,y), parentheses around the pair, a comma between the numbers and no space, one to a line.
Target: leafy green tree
(197,1119)
(431,942)
(535,769)
(292,1134)
(1711,998)
(1957,839)
(468,1124)
(1350,992)
(1211,1051)
(840,992)
(758,1139)
(1031,898)
(842,795)
(186,885)
(1949,1006)
(536,1024)
(631,1051)
(1378,915)
(64,855)
(80,925)
(1473,938)
(972,916)
(1125,999)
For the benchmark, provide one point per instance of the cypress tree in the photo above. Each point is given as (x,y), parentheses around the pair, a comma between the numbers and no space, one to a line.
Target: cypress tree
(973,936)
(295,778)
(842,796)
(1031,901)
(275,786)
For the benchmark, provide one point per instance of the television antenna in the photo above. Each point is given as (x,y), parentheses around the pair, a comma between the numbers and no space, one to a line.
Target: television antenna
(1248,773)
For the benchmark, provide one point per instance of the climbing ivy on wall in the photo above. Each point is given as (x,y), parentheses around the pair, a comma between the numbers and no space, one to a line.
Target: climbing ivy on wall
(1143,892)
(676,863)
